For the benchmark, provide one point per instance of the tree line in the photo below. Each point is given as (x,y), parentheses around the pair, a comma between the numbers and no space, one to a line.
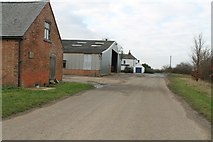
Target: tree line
(201,58)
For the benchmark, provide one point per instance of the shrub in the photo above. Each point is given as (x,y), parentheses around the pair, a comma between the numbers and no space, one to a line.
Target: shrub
(183,68)
(128,70)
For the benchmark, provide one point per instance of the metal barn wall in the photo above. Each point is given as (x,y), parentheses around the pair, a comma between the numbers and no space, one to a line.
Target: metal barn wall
(115,48)
(106,60)
(119,63)
(76,61)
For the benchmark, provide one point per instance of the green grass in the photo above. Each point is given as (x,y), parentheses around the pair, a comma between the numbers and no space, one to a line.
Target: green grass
(197,94)
(16,100)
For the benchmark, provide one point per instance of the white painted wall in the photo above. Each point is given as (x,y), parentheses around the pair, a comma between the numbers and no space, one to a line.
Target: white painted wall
(130,62)
(138,66)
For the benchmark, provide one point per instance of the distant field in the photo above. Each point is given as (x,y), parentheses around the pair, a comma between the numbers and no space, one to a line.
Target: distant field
(197,94)
(16,100)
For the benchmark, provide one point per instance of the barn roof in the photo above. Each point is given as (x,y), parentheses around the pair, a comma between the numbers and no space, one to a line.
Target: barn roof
(18,16)
(86,46)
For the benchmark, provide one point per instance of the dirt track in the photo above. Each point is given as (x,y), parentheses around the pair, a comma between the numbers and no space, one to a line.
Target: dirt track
(123,107)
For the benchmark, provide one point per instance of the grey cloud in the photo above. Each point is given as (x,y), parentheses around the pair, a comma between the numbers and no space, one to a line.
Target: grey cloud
(152,30)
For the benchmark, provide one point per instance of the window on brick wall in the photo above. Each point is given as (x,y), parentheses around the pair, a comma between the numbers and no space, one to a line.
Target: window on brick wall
(47,30)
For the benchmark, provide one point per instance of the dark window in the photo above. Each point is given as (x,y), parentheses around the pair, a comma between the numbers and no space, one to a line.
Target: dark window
(64,63)
(47,30)
(124,62)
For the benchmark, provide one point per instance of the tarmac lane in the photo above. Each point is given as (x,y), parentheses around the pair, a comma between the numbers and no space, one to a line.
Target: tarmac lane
(134,108)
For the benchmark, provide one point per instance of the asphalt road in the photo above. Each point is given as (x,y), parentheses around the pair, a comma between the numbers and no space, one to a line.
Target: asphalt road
(124,108)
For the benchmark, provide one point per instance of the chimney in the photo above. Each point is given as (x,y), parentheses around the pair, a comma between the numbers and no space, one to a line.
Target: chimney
(129,52)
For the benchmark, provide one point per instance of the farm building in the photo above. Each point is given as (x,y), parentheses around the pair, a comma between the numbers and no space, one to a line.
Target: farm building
(138,69)
(32,52)
(90,57)
(128,60)
(130,64)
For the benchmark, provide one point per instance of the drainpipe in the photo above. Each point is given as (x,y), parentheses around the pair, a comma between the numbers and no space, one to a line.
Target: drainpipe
(19,63)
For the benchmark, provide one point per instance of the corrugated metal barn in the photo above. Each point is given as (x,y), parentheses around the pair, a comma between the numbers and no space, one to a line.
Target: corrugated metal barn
(90,57)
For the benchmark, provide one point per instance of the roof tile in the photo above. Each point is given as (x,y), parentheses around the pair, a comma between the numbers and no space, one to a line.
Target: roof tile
(18,16)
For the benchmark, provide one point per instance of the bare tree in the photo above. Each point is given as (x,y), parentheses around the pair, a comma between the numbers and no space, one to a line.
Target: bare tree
(197,51)
(201,57)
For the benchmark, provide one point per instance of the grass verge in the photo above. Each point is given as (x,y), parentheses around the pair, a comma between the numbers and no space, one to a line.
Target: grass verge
(16,100)
(197,94)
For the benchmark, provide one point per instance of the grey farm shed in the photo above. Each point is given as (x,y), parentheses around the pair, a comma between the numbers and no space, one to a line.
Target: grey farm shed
(90,57)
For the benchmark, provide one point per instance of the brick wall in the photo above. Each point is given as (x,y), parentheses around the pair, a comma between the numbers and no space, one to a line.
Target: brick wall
(36,69)
(9,52)
(81,72)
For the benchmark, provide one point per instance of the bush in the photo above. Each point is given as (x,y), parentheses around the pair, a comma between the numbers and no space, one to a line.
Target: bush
(158,71)
(183,68)
(149,70)
(128,70)
(205,70)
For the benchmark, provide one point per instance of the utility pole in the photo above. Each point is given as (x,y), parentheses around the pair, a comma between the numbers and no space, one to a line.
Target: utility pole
(170,65)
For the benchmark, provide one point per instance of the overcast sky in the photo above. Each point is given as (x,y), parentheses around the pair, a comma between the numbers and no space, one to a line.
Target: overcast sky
(153,30)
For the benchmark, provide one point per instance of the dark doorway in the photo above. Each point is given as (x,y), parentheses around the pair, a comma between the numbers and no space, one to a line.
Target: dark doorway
(52,67)
(138,70)
(114,63)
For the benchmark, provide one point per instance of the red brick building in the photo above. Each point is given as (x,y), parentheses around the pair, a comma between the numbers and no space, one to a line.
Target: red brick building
(32,52)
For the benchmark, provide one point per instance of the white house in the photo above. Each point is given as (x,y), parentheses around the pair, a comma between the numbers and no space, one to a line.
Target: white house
(129,61)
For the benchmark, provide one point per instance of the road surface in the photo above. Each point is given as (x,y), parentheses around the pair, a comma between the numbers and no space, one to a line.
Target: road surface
(123,107)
